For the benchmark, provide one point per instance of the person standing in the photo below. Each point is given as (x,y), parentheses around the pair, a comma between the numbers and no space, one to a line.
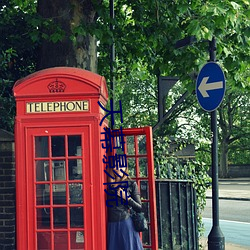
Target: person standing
(122,194)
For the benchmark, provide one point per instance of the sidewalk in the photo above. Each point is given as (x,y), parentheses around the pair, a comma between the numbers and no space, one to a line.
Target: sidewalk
(231,194)
(228,246)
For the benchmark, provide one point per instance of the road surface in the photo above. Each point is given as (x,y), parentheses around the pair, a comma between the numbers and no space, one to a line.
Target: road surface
(234,212)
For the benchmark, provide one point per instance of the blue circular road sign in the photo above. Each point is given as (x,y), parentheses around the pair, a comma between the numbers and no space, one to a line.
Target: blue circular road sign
(210,86)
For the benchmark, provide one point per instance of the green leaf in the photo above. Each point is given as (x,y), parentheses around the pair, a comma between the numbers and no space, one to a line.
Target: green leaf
(235,5)
(194,27)
(246,2)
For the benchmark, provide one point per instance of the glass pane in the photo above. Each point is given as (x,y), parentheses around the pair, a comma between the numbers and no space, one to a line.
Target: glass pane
(43,241)
(61,240)
(75,169)
(41,194)
(74,145)
(58,171)
(131,167)
(76,217)
(43,218)
(41,146)
(130,145)
(42,171)
(60,217)
(146,210)
(120,151)
(58,146)
(77,240)
(146,237)
(75,193)
(118,140)
(144,190)
(142,144)
(46,195)
(59,194)
(143,163)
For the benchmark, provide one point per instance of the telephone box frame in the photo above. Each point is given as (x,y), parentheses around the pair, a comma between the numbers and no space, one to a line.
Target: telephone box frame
(36,96)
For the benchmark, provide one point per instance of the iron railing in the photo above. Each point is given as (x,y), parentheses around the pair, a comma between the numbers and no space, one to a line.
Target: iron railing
(176,212)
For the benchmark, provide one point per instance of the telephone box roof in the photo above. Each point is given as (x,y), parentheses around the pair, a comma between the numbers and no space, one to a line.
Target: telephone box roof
(93,80)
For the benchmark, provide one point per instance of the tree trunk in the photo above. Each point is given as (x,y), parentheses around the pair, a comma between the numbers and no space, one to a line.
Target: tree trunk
(223,166)
(75,49)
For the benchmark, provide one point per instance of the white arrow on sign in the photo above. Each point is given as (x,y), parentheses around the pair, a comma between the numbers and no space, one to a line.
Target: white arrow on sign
(204,86)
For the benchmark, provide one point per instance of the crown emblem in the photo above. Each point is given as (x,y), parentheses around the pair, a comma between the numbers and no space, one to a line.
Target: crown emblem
(56,86)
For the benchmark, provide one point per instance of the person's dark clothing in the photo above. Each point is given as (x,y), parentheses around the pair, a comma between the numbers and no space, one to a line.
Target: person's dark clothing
(121,231)
(121,211)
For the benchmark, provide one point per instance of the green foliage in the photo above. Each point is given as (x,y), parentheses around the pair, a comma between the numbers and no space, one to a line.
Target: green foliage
(234,117)
(147,31)
(145,36)
(15,32)
(193,170)
(138,93)
(7,107)
(17,54)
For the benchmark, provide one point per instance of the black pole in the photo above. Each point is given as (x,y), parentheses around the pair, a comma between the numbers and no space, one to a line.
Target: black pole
(112,57)
(216,240)
(212,50)
(160,108)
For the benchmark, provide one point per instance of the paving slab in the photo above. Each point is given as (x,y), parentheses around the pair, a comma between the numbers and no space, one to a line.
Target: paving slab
(228,246)
(242,192)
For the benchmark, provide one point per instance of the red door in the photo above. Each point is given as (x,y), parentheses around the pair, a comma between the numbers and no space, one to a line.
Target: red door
(58,188)
(139,151)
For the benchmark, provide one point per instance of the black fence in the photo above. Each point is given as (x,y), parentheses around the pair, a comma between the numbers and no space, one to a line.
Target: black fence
(176,211)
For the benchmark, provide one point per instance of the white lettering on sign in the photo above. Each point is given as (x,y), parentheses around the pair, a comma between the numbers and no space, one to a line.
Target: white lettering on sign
(49,107)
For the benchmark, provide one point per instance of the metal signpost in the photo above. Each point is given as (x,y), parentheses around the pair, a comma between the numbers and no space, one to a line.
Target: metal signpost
(210,90)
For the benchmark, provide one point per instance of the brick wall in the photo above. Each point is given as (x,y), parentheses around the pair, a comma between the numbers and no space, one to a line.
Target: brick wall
(7,191)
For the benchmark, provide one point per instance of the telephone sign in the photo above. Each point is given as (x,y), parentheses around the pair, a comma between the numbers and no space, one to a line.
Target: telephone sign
(65,106)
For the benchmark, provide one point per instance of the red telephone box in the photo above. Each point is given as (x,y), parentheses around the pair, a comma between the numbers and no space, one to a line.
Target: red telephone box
(60,196)
(59,178)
